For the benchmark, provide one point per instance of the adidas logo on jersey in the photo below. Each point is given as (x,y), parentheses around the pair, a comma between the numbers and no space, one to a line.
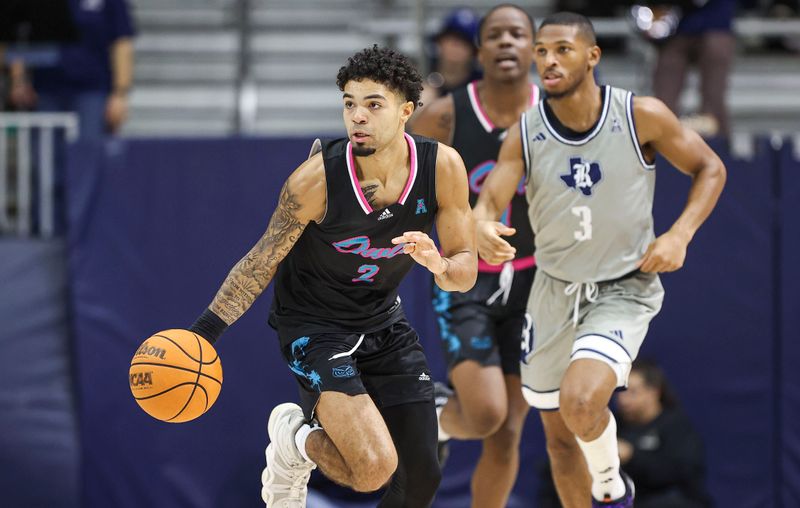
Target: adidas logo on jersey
(386,214)
(424,377)
(539,137)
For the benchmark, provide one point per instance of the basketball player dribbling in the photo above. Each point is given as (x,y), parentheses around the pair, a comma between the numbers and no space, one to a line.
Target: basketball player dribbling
(586,153)
(482,329)
(350,222)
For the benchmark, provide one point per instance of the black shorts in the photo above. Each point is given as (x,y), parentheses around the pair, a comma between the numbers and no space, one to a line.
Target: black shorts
(490,334)
(388,364)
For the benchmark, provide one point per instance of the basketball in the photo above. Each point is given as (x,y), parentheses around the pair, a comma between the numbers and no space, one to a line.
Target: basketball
(175,376)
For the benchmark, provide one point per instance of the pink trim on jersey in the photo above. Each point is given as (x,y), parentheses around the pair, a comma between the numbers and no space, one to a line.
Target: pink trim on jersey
(518,264)
(351,169)
(477,107)
(412,171)
(412,175)
(534,95)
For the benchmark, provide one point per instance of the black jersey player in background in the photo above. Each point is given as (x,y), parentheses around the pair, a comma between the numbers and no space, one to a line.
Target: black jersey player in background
(350,222)
(482,329)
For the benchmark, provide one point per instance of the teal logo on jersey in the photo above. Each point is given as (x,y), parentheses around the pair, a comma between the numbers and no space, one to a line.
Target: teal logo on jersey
(583,175)
(421,207)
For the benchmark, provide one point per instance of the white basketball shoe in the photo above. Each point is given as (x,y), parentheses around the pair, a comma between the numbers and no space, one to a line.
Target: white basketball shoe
(285,479)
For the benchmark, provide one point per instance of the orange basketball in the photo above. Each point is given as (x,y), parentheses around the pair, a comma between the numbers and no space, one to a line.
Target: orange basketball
(175,376)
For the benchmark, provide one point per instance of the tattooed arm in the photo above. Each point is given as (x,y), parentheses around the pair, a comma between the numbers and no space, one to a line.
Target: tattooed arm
(302,199)
(436,120)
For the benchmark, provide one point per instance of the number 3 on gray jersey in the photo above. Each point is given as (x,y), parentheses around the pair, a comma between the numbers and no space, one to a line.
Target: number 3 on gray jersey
(584,213)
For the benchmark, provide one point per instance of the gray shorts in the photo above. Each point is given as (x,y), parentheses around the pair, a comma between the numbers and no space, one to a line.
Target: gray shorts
(611,324)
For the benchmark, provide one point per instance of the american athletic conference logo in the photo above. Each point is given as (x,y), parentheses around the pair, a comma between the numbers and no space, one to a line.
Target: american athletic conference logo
(583,175)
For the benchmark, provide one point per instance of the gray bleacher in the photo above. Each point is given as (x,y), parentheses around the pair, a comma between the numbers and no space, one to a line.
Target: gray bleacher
(205,67)
(187,55)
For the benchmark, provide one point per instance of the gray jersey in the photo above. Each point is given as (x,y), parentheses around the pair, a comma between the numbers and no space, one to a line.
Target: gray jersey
(590,199)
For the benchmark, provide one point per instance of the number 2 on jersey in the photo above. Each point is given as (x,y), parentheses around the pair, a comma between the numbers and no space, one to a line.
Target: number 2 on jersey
(584,213)
(367,272)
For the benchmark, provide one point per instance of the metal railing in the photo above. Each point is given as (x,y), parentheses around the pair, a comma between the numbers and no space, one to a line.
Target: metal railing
(28,166)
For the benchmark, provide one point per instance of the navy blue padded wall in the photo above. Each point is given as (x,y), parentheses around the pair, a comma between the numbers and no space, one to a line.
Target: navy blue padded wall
(157,224)
(788,272)
(715,333)
(39,449)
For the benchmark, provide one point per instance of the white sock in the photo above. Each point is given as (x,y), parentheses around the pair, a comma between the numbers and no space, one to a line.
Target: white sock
(300,438)
(443,435)
(602,456)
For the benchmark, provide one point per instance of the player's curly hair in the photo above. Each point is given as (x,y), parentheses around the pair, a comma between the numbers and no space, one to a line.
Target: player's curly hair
(384,66)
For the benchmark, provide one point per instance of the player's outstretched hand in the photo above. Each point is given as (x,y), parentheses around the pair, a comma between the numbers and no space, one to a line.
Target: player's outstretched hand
(492,248)
(421,248)
(666,254)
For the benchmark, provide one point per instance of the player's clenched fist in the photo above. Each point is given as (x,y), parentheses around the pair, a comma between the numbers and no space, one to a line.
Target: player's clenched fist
(421,248)
(666,254)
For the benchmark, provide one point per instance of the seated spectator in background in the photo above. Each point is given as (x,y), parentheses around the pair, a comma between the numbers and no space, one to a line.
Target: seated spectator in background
(453,64)
(91,77)
(657,445)
(704,36)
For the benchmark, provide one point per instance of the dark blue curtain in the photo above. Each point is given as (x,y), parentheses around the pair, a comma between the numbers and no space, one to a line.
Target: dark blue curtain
(39,450)
(787,275)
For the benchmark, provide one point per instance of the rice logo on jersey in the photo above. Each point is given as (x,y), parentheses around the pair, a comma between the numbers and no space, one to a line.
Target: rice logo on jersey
(583,175)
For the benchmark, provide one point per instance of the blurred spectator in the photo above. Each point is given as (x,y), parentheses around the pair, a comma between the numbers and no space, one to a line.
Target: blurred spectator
(785,9)
(589,8)
(704,36)
(91,77)
(657,445)
(604,9)
(4,75)
(453,63)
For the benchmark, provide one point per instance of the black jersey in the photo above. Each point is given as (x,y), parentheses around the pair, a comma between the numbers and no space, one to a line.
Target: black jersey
(478,142)
(342,274)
